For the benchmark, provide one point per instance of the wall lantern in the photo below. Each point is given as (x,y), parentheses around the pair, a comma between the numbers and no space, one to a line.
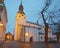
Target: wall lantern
(26,34)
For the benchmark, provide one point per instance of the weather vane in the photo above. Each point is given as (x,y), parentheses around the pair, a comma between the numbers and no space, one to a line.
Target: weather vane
(21,1)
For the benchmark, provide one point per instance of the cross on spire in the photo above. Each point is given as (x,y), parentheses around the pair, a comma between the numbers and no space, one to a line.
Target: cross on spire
(21,2)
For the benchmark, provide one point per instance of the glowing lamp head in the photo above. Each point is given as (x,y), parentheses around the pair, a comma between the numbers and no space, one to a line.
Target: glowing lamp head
(26,34)
(1,24)
(8,36)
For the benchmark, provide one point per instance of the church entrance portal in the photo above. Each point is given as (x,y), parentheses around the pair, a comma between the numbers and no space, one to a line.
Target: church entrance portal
(31,39)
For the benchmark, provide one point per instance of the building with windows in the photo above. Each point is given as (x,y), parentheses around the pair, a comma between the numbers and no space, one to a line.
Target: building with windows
(51,35)
(26,31)
(3,20)
(8,36)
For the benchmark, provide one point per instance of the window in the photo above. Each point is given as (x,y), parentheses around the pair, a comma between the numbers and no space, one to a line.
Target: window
(22,15)
(19,16)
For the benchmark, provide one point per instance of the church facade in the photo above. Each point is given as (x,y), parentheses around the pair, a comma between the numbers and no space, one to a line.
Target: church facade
(25,30)
(3,20)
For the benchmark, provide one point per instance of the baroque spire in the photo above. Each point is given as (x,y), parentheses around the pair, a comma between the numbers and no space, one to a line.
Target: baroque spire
(21,7)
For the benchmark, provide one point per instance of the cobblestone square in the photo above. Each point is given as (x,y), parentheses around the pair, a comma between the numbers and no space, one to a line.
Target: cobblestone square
(13,44)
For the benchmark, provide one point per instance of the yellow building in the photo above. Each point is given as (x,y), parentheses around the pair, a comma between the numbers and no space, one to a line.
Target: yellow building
(20,20)
(9,36)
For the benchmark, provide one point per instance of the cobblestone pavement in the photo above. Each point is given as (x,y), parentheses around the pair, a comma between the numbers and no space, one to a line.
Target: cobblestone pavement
(13,44)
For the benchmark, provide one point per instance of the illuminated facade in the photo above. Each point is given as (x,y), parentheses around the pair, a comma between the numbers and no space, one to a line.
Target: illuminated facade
(20,20)
(8,36)
(3,17)
(24,30)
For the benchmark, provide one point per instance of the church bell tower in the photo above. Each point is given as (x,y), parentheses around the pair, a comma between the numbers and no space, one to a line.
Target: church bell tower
(20,22)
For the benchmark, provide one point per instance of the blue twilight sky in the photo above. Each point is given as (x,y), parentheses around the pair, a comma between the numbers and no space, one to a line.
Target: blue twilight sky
(32,10)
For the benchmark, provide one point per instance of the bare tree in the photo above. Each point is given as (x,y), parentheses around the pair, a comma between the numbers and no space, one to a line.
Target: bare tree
(47,4)
(53,19)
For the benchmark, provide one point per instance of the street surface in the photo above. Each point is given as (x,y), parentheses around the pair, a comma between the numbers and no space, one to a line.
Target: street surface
(14,44)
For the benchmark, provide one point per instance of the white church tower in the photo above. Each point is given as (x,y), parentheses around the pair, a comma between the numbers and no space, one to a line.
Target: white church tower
(3,20)
(20,21)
